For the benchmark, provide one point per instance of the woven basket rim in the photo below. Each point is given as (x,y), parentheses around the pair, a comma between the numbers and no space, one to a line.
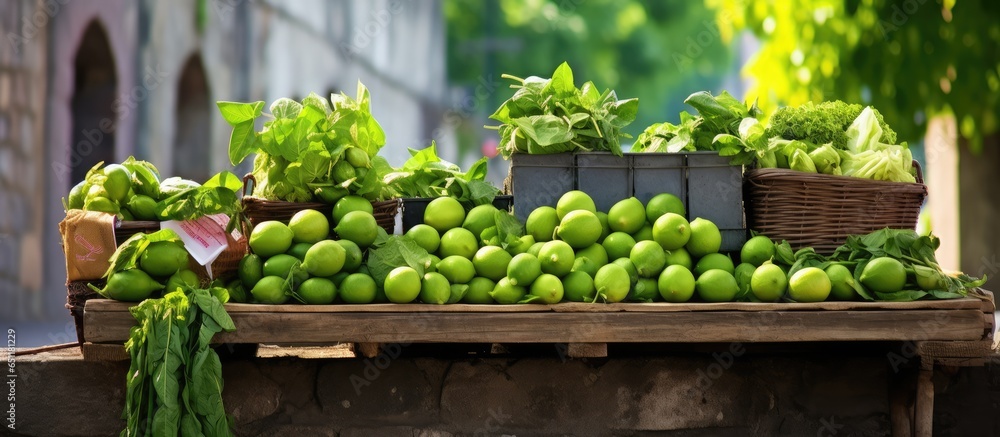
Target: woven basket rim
(788,174)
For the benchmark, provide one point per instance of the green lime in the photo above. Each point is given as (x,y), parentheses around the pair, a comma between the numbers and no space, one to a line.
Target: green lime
(357,158)
(679,257)
(556,257)
(585,265)
(605,227)
(78,195)
(714,261)
(402,285)
(491,262)
(183,279)
(705,238)
(629,267)
(573,201)
(768,282)
(535,248)
(507,293)
(435,289)
(672,231)
(578,287)
(458,269)
(548,288)
(342,171)
(142,207)
(458,241)
(523,269)
(743,275)
(299,250)
(676,284)
(618,245)
(612,283)
(317,291)
(541,223)
(841,283)
(270,238)
(757,250)
(596,253)
(118,183)
(163,258)
(358,288)
(350,203)
(580,229)
(480,218)
(809,285)
(359,227)
(884,275)
(649,258)
(271,290)
(325,258)
(644,234)
(628,216)
(444,213)
(425,236)
(663,203)
(479,291)
(309,226)
(282,265)
(352,255)
(522,245)
(645,290)
(250,270)
(717,286)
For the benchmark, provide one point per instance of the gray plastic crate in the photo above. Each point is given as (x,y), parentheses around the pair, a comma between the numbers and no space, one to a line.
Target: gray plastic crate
(715,192)
(538,180)
(605,177)
(655,173)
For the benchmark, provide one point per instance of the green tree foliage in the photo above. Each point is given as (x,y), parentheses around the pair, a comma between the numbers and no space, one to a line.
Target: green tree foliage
(911,59)
(658,51)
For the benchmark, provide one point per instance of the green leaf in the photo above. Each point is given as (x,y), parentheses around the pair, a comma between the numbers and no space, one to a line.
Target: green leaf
(396,251)
(561,83)
(127,254)
(225,179)
(545,130)
(285,108)
(237,113)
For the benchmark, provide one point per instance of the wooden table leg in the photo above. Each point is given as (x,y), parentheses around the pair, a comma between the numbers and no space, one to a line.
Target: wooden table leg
(901,390)
(924,410)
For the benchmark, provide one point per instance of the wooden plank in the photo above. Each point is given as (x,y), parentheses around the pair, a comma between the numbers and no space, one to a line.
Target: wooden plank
(367,350)
(923,414)
(988,303)
(571,307)
(607,327)
(587,350)
(955,349)
(103,352)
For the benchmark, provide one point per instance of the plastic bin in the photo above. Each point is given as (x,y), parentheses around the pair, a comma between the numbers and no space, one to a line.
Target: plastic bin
(715,192)
(655,173)
(538,180)
(605,177)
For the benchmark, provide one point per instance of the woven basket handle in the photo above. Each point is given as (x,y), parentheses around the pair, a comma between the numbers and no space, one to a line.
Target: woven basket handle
(916,165)
(249,178)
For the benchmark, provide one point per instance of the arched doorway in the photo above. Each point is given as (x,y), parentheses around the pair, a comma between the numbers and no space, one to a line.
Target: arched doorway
(92,104)
(192,139)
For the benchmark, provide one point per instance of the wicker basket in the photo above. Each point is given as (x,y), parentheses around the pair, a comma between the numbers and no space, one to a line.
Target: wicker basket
(820,211)
(77,295)
(257,210)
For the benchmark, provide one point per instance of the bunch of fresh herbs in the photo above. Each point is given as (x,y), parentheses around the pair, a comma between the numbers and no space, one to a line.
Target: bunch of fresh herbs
(425,174)
(174,383)
(304,151)
(553,115)
(717,115)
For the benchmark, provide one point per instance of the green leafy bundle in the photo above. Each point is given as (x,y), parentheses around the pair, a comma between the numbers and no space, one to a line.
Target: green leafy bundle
(717,115)
(832,138)
(174,383)
(553,115)
(391,251)
(925,278)
(427,175)
(316,150)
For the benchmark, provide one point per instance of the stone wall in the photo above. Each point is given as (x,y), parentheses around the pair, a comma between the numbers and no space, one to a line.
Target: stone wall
(723,390)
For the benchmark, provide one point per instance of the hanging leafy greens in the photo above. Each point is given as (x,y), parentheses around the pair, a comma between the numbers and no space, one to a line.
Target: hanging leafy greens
(427,175)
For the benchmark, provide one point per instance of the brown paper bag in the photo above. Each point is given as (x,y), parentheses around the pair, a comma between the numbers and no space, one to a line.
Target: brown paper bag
(88,240)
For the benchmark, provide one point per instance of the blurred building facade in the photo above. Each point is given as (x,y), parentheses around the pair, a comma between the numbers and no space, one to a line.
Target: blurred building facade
(89,81)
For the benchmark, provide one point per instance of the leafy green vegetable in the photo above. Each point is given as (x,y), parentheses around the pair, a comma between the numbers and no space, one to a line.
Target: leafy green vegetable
(218,195)
(720,115)
(391,251)
(300,145)
(552,116)
(822,123)
(425,174)
(174,383)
